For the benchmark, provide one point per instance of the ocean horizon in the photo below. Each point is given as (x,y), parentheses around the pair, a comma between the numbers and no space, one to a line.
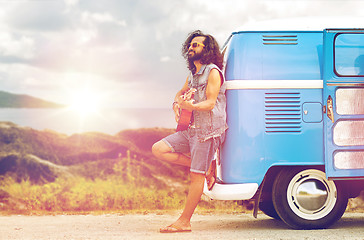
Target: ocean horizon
(109,121)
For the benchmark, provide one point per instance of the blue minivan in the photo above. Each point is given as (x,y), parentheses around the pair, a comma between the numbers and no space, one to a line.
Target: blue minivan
(295,109)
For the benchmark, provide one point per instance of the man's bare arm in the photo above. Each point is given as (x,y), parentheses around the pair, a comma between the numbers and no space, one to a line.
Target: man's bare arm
(212,91)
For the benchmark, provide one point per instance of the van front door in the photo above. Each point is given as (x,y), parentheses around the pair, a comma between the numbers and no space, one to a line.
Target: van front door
(344,103)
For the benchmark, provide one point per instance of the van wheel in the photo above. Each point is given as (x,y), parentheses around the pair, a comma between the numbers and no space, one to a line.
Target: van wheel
(268,209)
(305,199)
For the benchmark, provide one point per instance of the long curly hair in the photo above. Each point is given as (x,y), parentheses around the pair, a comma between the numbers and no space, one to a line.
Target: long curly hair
(210,53)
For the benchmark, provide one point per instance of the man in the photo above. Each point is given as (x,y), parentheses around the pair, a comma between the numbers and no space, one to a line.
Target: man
(196,146)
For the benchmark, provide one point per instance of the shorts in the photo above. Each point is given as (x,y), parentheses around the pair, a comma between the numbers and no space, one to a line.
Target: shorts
(202,153)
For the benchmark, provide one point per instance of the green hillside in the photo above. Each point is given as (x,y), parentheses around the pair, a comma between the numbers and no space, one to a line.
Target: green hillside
(41,156)
(9,100)
(50,171)
(47,172)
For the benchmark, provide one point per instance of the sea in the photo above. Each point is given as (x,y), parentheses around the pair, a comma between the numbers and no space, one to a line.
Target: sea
(109,121)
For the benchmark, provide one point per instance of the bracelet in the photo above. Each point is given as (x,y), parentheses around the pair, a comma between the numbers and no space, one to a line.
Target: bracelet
(174,104)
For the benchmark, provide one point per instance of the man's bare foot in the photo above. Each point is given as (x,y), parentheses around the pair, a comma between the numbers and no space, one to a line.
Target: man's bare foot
(178,226)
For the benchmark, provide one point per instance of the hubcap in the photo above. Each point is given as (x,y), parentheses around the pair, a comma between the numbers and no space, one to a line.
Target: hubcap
(310,195)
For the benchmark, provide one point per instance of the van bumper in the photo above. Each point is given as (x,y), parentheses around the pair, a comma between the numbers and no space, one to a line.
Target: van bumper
(241,191)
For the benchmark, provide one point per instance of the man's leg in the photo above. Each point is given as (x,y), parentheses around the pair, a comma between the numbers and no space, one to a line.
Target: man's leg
(162,151)
(193,197)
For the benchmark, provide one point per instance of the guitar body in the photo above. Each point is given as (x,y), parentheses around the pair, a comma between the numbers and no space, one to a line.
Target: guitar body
(184,120)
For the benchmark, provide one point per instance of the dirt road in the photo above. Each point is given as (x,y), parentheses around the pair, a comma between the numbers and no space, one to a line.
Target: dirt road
(138,226)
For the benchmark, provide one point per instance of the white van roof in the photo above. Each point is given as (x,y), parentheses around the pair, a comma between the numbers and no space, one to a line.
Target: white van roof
(303,24)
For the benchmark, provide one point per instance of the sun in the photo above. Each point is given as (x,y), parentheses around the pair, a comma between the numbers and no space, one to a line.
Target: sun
(85,102)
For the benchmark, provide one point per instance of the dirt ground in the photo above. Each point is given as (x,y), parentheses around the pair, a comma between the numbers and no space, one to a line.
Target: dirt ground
(146,226)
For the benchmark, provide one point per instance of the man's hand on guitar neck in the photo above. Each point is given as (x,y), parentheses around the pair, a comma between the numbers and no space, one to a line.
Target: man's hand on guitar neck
(189,94)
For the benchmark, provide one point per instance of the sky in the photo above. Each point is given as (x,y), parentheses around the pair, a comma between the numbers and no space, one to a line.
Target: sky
(124,53)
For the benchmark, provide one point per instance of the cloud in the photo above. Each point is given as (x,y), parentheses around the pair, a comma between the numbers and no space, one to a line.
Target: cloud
(123,47)
(36,15)
(165,59)
(88,17)
(21,47)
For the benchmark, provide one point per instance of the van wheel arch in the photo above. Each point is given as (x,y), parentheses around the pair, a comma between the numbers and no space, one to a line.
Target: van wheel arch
(305,199)
(265,202)
(272,174)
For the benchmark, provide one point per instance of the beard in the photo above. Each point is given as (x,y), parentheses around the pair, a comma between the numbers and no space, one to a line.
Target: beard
(195,56)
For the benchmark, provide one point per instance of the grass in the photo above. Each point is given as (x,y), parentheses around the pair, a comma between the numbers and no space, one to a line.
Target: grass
(126,189)
(79,195)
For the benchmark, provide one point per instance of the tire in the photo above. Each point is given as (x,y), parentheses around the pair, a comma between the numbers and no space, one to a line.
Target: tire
(305,199)
(268,209)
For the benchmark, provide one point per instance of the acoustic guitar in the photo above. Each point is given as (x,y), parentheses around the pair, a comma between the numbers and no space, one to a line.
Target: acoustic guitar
(185,115)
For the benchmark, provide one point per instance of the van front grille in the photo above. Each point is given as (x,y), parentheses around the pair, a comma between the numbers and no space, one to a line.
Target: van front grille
(283,112)
(280,39)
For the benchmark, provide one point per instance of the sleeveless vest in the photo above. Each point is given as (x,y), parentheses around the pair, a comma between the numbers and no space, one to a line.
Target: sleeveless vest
(208,124)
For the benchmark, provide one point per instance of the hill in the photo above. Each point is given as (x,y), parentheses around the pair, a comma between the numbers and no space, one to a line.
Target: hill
(10,100)
(26,153)
(46,170)
(50,171)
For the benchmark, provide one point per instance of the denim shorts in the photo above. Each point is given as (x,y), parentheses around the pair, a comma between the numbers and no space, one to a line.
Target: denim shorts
(202,153)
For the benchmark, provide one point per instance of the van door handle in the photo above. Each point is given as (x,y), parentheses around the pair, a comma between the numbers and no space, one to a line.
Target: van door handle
(330,110)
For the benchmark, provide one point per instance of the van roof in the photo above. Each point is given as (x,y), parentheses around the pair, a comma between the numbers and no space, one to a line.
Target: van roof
(303,24)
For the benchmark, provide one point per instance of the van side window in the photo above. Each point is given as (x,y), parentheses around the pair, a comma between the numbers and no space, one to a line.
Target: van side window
(349,54)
